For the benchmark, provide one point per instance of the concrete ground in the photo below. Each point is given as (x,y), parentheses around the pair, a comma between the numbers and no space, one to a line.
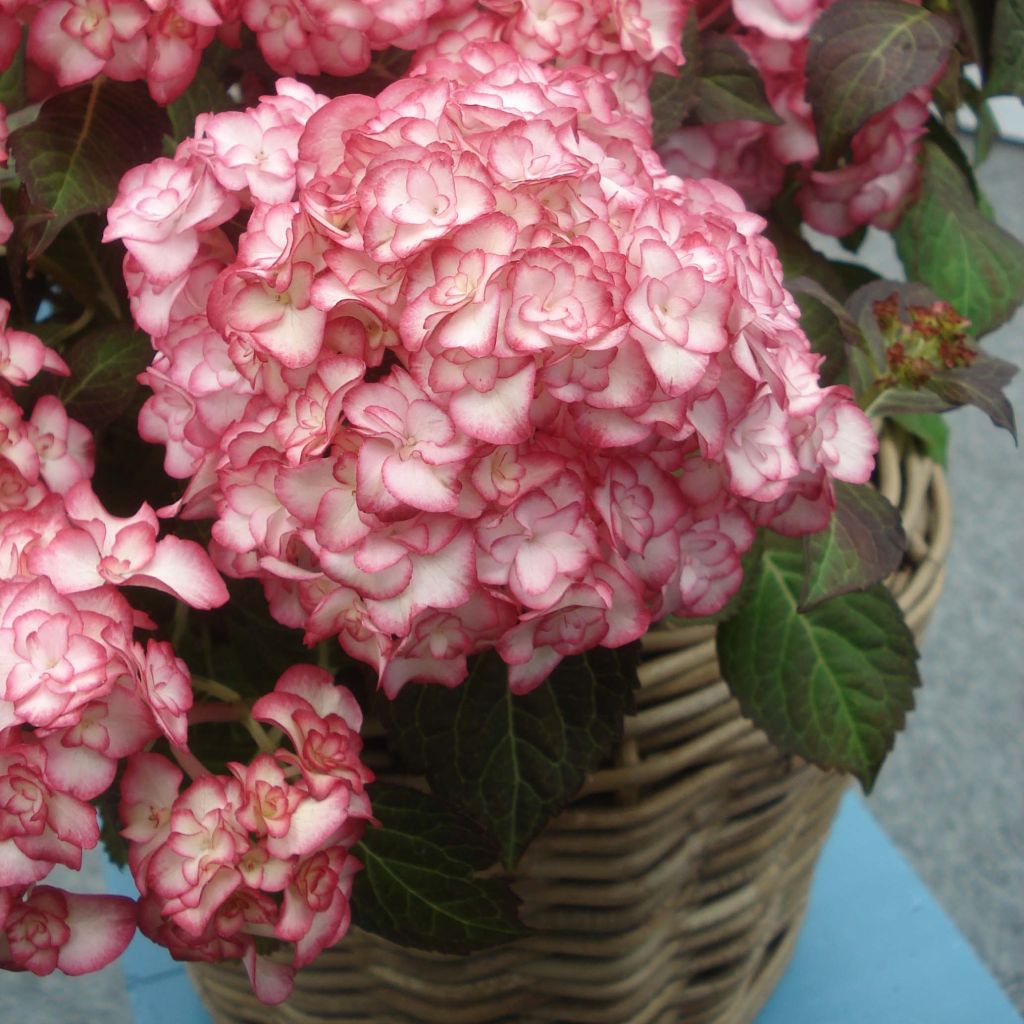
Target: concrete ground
(952,794)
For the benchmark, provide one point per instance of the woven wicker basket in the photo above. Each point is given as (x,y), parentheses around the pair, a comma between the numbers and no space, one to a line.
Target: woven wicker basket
(670,891)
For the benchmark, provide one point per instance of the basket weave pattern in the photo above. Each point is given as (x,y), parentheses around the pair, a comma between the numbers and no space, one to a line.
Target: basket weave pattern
(669,892)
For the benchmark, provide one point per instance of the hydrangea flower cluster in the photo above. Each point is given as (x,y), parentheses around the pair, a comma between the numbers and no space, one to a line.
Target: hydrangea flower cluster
(263,852)
(627,40)
(873,184)
(162,41)
(77,693)
(477,372)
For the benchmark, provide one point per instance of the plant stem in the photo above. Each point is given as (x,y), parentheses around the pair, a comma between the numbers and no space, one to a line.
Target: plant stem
(190,764)
(264,741)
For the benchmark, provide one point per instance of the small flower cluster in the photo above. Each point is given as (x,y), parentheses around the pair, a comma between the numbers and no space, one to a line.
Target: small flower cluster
(477,373)
(921,340)
(870,187)
(260,854)
(76,692)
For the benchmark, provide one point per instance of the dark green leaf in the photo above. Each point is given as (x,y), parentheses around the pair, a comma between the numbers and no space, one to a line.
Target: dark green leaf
(865,55)
(85,268)
(985,134)
(205,95)
(832,685)
(1006,70)
(824,324)
(946,241)
(12,81)
(730,88)
(72,156)
(510,762)
(863,543)
(419,884)
(970,29)
(982,384)
(105,365)
(673,97)
(929,428)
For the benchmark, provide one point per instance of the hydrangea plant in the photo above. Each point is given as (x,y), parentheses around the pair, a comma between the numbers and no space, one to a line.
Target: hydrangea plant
(419,383)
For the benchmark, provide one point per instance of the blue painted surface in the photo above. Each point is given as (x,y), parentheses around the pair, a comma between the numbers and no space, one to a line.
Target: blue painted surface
(876,949)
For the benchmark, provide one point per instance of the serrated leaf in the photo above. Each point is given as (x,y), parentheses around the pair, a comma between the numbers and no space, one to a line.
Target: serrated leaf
(205,95)
(730,87)
(72,156)
(862,544)
(930,429)
(832,685)
(1006,67)
(865,55)
(672,97)
(105,365)
(511,762)
(946,241)
(419,884)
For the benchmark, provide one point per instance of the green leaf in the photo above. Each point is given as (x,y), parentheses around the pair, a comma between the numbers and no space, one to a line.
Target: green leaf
(862,544)
(982,384)
(205,95)
(85,268)
(730,88)
(511,762)
(986,133)
(419,884)
(12,81)
(105,365)
(832,685)
(72,156)
(1006,68)
(824,321)
(930,429)
(946,241)
(971,29)
(672,97)
(865,55)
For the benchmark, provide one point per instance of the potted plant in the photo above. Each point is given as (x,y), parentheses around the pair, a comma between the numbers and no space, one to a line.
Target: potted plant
(455,546)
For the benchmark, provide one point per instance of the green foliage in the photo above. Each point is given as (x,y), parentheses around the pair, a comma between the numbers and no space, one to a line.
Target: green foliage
(12,81)
(730,89)
(833,684)
(105,365)
(930,429)
(420,884)
(1006,68)
(672,97)
(205,95)
(72,156)
(865,55)
(947,242)
(980,382)
(717,83)
(510,762)
(862,544)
